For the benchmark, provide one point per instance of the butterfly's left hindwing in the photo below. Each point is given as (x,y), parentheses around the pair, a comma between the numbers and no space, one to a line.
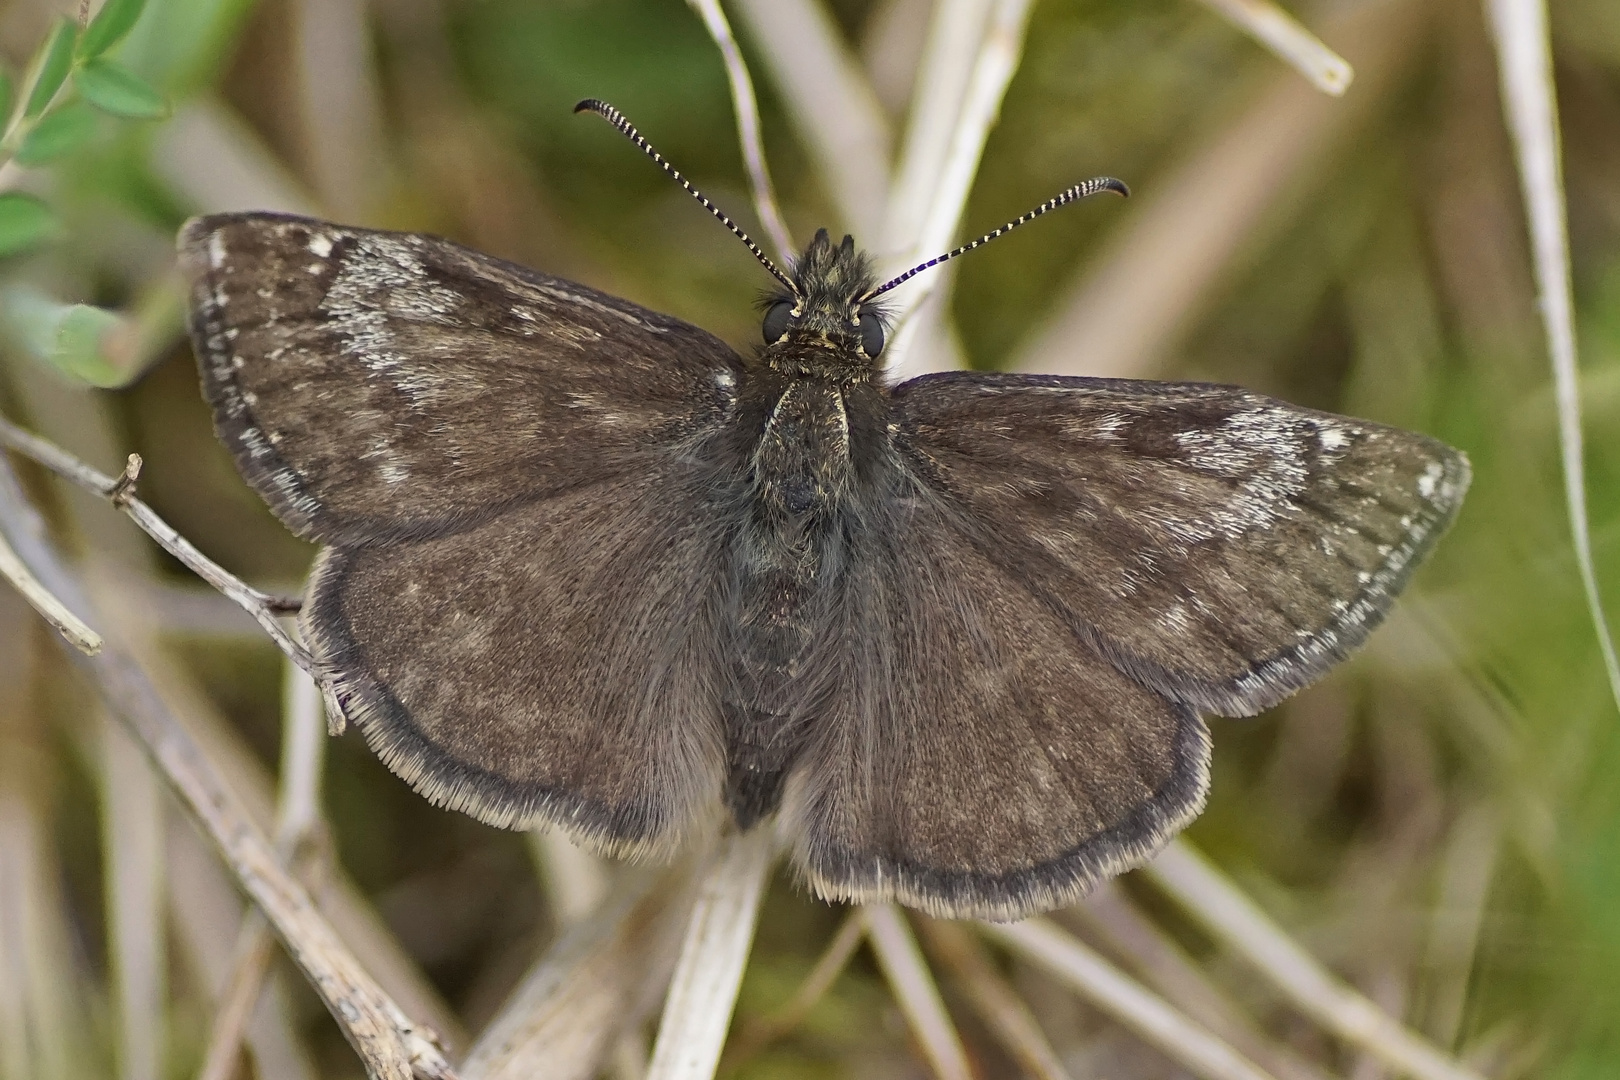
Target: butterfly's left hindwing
(1222,547)
(376,385)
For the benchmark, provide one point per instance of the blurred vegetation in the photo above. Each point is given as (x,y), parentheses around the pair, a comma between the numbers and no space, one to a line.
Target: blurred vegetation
(1439,820)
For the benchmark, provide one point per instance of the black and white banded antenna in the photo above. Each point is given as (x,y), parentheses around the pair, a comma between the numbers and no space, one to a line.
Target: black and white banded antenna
(1082,190)
(628,130)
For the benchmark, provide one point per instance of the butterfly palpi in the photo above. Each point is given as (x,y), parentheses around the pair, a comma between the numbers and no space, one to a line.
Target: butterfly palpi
(584,565)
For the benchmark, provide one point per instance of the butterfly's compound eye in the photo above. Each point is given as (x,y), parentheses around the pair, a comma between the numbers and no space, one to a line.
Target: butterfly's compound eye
(776,321)
(871,335)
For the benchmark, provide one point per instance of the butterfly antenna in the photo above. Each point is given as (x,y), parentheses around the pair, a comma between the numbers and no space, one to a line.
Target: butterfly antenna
(1075,194)
(628,130)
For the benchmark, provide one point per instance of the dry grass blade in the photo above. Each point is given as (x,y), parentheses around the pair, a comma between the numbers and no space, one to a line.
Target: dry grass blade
(1126,1000)
(993,70)
(997,1002)
(1238,924)
(303,751)
(597,981)
(1524,59)
(703,990)
(1282,34)
(913,986)
(955,32)
(132,849)
(1161,962)
(767,1029)
(1141,293)
(830,101)
(69,625)
(753,149)
(390,1045)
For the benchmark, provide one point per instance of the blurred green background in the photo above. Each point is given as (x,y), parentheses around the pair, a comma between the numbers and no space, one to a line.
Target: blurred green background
(1439,820)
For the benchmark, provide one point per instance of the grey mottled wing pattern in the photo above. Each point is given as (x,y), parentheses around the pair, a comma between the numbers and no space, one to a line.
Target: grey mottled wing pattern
(553,664)
(515,477)
(977,758)
(1221,547)
(375,385)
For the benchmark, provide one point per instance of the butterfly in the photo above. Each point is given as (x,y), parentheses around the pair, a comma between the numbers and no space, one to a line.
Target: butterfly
(584,565)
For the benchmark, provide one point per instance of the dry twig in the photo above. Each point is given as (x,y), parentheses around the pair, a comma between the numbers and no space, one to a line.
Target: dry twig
(767,1029)
(1239,924)
(390,1045)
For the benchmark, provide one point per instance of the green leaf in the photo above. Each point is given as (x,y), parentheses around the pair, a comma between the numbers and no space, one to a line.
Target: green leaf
(117,90)
(50,67)
(59,132)
(72,338)
(109,26)
(24,222)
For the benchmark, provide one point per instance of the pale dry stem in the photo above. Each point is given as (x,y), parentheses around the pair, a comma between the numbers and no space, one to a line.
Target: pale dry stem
(767,1029)
(996,1002)
(1282,34)
(914,989)
(703,990)
(747,109)
(1127,1001)
(1239,924)
(1524,59)
(388,1043)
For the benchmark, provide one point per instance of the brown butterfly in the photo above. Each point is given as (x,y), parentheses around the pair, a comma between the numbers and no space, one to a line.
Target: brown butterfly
(584,565)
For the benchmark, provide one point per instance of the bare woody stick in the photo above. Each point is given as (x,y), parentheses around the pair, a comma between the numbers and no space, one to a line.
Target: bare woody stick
(1283,35)
(388,1043)
(121,493)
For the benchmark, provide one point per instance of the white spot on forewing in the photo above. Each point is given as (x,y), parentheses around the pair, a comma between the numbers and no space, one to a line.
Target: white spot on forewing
(1262,450)
(320,244)
(216,249)
(1332,438)
(1430,479)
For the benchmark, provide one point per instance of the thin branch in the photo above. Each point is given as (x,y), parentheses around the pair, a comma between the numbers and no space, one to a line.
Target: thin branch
(913,986)
(1283,35)
(388,1043)
(993,70)
(1126,1000)
(703,990)
(767,1029)
(258,604)
(753,149)
(997,1002)
(1240,925)
(1524,56)
(298,823)
(70,626)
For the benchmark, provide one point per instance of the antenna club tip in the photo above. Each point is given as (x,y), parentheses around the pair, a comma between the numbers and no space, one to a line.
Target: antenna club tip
(1118,187)
(593,105)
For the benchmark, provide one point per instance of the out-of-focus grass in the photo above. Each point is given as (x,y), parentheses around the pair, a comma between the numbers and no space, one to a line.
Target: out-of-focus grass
(1395,287)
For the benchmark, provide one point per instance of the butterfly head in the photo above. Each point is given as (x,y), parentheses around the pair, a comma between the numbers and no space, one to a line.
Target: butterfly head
(825,311)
